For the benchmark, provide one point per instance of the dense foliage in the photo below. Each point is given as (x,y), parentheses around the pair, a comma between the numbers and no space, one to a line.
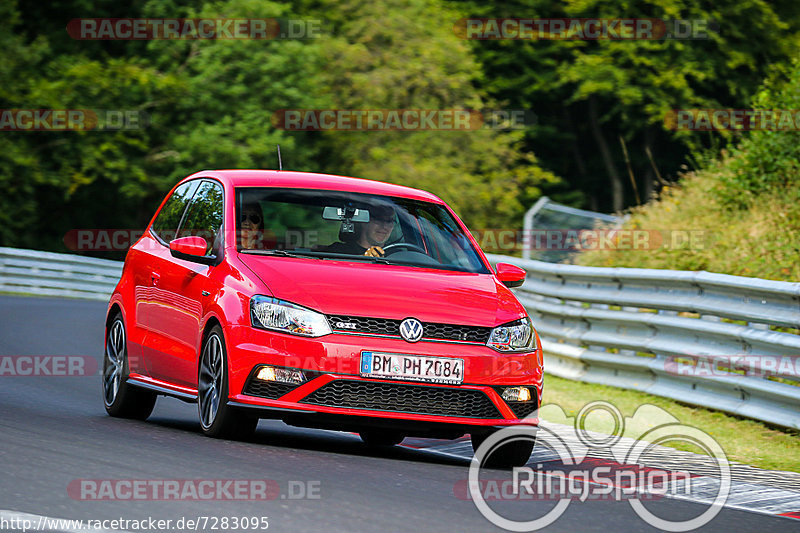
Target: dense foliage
(210,104)
(743,209)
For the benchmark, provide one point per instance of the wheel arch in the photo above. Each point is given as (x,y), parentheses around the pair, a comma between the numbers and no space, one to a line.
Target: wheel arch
(211,321)
(114,308)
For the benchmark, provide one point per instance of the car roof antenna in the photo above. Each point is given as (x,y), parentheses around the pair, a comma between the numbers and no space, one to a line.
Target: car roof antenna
(280,164)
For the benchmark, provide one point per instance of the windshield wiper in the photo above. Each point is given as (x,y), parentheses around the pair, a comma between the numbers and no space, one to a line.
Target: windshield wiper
(352,257)
(281,253)
(324,255)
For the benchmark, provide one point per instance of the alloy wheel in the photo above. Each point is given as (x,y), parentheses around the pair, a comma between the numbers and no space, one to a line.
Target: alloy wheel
(210,380)
(114,361)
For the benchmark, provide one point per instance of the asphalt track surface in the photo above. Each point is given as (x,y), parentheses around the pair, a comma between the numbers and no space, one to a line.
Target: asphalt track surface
(54,430)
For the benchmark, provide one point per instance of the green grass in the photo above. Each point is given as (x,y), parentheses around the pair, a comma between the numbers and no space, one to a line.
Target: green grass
(745,441)
(758,241)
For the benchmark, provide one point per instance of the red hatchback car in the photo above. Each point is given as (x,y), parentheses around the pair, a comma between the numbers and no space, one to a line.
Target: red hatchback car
(323,301)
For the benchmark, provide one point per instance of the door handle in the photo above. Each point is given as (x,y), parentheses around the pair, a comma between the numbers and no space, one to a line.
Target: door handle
(154,278)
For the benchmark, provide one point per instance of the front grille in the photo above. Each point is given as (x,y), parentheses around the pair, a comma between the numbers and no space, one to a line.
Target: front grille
(388,326)
(360,324)
(454,332)
(522,409)
(419,399)
(267,389)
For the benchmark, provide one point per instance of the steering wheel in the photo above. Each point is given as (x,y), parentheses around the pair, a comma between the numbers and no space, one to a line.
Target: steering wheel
(404,245)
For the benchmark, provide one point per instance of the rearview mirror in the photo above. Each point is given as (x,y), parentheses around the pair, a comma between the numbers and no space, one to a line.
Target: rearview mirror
(345,213)
(510,275)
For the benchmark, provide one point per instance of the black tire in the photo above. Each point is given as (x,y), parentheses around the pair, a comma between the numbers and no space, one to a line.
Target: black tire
(504,454)
(121,399)
(217,418)
(381,438)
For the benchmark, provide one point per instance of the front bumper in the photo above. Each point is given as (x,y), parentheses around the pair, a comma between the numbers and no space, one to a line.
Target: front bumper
(334,393)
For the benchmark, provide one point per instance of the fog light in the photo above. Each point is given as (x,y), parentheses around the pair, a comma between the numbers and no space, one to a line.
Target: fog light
(282,375)
(517,394)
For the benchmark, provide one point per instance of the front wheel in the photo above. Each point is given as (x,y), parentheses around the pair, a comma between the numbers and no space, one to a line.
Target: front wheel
(504,454)
(217,418)
(120,398)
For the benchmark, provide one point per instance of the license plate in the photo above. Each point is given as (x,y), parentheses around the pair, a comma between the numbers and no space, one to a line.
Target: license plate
(412,367)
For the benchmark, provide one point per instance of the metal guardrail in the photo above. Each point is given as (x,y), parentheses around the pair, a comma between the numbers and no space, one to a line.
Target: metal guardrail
(726,342)
(52,274)
(664,332)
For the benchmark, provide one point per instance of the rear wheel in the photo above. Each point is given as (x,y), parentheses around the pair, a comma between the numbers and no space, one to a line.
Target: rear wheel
(505,454)
(217,418)
(381,438)
(120,398)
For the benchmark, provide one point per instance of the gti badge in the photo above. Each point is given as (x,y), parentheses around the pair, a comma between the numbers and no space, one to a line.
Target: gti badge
(411,329)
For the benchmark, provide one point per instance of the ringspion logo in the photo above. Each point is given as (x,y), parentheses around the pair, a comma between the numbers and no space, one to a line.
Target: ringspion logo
(623,478)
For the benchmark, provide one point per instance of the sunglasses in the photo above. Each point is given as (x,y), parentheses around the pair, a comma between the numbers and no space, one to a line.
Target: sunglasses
(384,221)
(252,217)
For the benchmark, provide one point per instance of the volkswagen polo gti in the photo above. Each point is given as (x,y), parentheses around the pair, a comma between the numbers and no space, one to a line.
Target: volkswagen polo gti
(322,301)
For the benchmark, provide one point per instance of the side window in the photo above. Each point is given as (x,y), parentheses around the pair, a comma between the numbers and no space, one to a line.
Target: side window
(166,223)
(204,217)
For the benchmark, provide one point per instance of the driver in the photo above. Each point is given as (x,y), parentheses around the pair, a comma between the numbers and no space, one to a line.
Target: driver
(370,236)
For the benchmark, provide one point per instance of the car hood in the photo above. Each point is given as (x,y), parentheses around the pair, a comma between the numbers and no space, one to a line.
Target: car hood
(387,291)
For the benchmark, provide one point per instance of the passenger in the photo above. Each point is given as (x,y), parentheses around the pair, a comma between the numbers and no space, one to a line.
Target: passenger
(251,225)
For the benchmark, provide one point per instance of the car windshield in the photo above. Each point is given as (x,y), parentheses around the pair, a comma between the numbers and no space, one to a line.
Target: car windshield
(344,226)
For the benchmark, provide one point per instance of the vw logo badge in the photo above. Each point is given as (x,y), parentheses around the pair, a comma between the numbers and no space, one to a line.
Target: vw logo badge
(411,329)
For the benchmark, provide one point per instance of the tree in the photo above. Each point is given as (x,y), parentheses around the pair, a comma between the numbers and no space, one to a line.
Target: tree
(207,105)
(591,93)
(404,55)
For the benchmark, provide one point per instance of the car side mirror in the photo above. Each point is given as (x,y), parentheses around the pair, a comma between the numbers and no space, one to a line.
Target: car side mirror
(191,248)
(510,275)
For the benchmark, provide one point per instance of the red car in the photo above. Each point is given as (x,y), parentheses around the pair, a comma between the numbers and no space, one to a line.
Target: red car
(323,301)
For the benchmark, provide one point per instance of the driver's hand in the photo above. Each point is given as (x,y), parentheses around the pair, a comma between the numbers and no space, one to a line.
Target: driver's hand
(374,251)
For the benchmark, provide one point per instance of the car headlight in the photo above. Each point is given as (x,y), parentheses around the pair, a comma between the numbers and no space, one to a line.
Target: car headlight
(278,315)
(517,336)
